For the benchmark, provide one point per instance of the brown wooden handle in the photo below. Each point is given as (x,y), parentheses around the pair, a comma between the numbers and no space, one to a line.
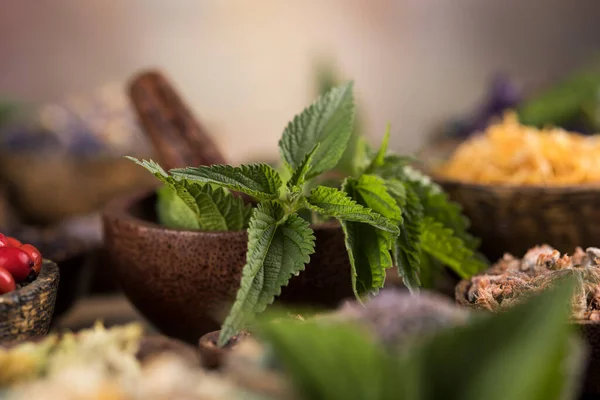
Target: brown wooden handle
(178,139)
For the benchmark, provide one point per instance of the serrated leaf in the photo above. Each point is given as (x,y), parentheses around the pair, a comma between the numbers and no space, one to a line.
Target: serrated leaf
(258,180)
(327,121)
(438,206)
(299,175)
(211,209)
(172,212)
(374,194)
(440,242)
(337,204)
(369,247)
(407,248)
(174,184)
(219,210)
(279,246)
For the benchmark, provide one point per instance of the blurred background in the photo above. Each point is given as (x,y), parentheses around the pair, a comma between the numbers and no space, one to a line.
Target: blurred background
(247,67)
(433,69)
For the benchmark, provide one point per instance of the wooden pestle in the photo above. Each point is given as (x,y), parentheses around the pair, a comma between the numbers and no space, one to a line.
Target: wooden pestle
(177,137)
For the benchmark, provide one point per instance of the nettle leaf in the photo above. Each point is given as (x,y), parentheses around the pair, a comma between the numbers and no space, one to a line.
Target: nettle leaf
(407,248)
(327,121)
(299,176)
(337,204)
(438,206)
(279,246)
(374,194)
(369,247)
(170,182)
(172,211)
(440,242)
(209,209)
(258,180)
(218,209)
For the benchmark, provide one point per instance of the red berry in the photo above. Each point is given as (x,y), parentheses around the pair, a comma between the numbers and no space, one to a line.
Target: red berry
(13,242)
(3,240)
(7,282)
(35,256)
(17,262)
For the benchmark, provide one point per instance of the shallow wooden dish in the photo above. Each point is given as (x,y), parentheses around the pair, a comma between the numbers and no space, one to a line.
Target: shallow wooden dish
(185,281)
(26,313)
(49,187)
(515,218)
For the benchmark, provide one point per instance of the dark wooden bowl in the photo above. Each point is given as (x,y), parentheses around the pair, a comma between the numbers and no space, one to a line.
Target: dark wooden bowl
(515,218)
(590,331)
(26,313)
(185,281)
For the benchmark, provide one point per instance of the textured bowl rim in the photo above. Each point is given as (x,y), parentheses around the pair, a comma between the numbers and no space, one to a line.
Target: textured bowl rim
(117,209)
(48,275)
(460,298)
(581,188)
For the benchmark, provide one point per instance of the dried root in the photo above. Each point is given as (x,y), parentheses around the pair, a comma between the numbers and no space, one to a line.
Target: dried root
(511,280)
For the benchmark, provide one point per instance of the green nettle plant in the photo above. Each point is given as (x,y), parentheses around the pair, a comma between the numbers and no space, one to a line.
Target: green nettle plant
(390,213)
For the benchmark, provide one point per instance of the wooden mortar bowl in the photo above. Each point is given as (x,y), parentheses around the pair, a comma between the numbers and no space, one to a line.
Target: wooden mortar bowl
(185,281)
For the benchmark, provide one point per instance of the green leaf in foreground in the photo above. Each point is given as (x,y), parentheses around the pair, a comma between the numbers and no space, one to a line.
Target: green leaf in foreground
(441,243)
(327,121)
(526,353)
(330,362)
(369,247)
(279,246)
(407,248)
(335,203)
(258,180)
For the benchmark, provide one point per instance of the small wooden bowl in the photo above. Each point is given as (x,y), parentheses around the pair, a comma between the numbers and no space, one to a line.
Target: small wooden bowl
(515,218)
(212,356)
(185,281)
(26,313)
